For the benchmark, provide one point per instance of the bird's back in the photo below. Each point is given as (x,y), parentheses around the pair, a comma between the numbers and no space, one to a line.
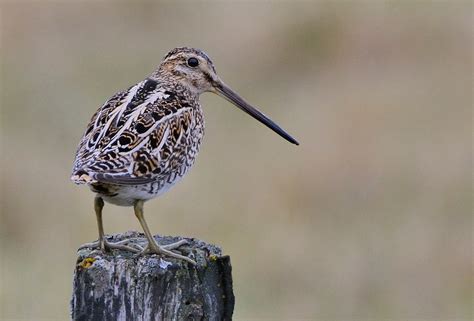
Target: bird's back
(146,135)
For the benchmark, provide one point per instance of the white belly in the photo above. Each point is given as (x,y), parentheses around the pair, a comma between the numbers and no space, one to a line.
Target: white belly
(128,195)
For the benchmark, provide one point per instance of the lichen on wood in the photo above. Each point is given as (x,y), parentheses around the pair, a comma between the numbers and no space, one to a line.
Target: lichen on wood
(123,286)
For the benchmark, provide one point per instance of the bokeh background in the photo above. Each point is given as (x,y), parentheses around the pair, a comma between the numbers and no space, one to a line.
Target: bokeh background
(369,219)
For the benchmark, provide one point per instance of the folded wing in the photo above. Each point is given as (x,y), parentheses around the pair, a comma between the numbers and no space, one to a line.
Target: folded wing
(140,135)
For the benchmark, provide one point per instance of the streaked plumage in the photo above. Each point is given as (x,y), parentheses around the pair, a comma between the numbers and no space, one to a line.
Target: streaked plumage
(144,139)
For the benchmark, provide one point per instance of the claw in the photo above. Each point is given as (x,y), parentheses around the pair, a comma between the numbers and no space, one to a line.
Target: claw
(174,245)
(106,246)
(166,250)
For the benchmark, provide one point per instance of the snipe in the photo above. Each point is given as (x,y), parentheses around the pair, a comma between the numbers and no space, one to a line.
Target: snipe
(144,139)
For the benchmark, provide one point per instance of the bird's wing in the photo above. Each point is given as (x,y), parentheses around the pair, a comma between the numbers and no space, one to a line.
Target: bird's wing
(137,136)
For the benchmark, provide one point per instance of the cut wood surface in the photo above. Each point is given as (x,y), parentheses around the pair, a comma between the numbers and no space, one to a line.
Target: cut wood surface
(121,285)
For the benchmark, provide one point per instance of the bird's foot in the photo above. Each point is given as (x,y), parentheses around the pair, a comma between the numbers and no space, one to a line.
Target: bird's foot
(166,250)
(106,246)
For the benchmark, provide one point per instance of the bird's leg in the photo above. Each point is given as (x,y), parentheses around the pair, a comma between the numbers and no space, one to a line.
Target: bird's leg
(98,206)
(102,243)
(152,246)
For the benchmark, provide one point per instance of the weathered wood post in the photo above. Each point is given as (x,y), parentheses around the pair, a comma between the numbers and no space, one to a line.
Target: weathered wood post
(122,286)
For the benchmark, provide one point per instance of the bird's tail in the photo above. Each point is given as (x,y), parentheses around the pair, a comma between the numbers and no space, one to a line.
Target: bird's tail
(81,177)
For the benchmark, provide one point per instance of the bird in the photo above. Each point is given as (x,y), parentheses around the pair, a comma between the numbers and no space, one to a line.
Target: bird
(144,139)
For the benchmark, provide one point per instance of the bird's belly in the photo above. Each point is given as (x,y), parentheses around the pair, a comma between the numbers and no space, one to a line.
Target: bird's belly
(128,195)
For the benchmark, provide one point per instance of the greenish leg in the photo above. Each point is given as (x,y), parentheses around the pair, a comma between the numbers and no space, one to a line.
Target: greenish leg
(153,247)
(102,243)
(98,206)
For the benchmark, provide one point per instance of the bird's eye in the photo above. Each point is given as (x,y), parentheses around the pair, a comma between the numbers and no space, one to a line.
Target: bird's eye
(193,62)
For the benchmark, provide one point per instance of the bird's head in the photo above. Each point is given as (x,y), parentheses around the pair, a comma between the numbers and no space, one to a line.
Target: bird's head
(193,69)
(190,67)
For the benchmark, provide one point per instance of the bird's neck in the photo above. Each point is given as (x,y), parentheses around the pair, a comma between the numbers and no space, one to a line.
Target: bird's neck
(176,81)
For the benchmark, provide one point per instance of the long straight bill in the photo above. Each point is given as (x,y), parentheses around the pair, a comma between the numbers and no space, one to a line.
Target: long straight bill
(233,97)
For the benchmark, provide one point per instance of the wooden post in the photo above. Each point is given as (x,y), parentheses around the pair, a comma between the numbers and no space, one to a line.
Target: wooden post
(121,286)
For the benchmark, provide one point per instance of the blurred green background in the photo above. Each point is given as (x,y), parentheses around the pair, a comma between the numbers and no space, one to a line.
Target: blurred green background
(369,219)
